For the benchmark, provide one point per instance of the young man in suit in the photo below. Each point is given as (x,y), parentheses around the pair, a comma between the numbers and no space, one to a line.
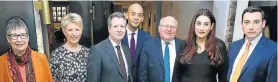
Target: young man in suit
(158,54)
(253,58)
(109,60)
(135,37)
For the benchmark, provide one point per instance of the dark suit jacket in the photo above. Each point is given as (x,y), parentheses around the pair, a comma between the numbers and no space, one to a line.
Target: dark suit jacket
(103,65)
(141,38)
(261,65)
(151,64)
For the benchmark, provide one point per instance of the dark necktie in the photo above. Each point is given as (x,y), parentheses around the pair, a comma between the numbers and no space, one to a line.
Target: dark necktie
(132,46)
(166,63)
(122,63)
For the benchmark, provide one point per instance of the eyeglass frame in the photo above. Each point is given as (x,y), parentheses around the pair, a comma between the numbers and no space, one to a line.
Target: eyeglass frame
(169,26)
(18,35)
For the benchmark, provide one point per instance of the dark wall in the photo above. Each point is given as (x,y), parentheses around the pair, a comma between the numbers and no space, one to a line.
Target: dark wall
(100,28)
(271,20)
(17,8)
(99,25)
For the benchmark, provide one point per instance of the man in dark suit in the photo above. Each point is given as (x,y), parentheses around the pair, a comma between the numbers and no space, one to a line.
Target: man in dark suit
(135,37)
(109,60)
(158,54)
(253,58)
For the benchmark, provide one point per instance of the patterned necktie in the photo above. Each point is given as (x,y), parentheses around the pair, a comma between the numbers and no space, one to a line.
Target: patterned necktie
(240,64)
(166,63)
(122,63)
(132,46)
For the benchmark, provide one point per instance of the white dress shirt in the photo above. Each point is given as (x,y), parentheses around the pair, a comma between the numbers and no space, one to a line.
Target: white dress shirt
(123,54)
(129,36)
(172,54)
(254,42)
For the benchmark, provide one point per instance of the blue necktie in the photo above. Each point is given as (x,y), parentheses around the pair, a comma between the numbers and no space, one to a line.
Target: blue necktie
(166,63)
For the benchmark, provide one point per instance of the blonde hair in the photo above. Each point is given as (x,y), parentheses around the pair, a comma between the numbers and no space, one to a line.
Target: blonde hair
(73,18)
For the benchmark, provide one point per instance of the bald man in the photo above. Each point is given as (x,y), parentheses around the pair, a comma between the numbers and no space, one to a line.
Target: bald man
(158,54)
(134,38)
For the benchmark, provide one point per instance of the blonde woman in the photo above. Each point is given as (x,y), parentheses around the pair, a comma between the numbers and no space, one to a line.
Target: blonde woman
(68,62)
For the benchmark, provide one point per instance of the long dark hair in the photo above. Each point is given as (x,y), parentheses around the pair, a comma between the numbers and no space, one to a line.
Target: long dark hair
(211,45)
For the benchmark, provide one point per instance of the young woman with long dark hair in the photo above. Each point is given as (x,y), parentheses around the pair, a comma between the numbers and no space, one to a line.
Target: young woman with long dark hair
(204,56)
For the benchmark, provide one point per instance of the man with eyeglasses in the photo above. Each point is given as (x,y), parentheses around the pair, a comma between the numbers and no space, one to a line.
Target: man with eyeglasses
(21,63)
(158,54)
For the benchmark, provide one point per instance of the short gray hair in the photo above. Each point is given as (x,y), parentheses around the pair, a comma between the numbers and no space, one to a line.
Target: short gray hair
(14,23)
(115,14)
(71,18)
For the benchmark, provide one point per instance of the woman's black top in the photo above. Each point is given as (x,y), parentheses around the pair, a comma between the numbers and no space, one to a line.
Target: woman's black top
(200,69)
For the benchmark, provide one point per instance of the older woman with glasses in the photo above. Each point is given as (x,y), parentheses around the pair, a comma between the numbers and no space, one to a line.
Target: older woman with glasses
(68,62)
(21,63)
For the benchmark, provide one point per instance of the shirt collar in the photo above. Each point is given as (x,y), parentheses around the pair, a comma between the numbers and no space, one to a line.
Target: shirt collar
(254,41)
(114,43)
(129,32)
(171,42)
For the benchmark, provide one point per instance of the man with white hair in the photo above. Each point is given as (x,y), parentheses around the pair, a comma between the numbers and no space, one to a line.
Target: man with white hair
(158,54)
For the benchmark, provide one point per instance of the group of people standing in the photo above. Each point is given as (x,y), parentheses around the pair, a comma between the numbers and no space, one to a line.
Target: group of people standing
(130,54)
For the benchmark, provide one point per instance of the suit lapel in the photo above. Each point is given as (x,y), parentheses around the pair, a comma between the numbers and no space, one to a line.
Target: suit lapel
(255,53)
(127,58)
(125,40)
(233,54)
(237,49)
(158,50)
(139,44)
(111,52)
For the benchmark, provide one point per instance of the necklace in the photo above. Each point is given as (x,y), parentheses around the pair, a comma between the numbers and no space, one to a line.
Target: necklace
(76,49)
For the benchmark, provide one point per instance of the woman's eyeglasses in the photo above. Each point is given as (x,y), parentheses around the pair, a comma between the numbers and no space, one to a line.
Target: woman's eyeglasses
(15,36)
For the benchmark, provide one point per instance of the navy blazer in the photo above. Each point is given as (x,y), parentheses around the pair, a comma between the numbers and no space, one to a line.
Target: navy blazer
(103,65)
(261,65)
(141,38)
(151,64)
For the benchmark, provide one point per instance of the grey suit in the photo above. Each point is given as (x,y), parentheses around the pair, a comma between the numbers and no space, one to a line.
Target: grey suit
(103,65)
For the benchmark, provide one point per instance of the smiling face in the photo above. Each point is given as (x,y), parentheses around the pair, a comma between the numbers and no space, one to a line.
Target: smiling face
(18,39)
(203,26)
(135,15)
(117,29)
(168,28)
(73,33)
(252,24)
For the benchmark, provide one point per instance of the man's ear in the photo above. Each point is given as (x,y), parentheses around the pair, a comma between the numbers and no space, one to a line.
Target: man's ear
(263,23)
(142,19)
(109,29)
(159,28)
